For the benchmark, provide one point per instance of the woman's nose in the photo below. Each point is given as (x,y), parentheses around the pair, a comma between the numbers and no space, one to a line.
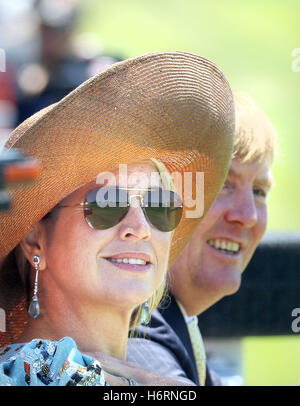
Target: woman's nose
(135,225)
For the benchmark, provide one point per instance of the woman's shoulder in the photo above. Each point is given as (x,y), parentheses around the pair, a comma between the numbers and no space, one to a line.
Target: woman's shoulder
(44,362)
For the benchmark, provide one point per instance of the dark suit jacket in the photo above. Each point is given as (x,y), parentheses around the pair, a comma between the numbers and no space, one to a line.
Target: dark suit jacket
(167,337)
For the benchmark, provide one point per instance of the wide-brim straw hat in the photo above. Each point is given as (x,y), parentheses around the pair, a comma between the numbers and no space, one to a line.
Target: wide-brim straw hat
(176,107)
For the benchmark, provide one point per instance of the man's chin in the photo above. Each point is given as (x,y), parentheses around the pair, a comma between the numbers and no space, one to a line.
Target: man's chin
(231,290)
(226,282)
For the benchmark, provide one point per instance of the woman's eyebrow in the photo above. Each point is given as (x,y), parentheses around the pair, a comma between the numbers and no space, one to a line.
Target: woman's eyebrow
(140,188)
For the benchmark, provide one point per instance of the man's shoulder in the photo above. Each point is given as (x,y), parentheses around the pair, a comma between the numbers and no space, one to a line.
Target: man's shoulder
(157,347)
(160,340)
(166,342)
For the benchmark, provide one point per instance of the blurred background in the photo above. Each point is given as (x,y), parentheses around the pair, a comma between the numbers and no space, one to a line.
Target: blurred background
(49,47)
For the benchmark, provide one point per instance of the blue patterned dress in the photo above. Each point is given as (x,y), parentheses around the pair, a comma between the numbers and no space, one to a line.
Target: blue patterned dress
(52,363)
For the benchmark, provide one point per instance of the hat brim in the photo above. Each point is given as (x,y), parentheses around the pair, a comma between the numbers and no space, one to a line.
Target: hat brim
(174,106)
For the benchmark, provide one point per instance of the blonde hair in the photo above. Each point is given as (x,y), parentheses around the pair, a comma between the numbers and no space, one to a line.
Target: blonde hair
(255,136)
(160,293)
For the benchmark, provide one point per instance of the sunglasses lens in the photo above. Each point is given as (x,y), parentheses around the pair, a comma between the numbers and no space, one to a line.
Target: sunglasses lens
(105,207)
(164,218)
(101,218)
(163,209)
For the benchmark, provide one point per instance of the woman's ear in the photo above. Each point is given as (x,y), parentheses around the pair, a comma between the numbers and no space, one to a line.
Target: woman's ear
(34,243)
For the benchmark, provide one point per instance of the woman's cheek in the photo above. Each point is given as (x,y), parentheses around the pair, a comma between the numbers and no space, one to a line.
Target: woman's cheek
(164,244)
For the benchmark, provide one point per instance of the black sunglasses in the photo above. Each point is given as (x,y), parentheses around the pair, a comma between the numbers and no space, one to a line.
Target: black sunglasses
(105,207)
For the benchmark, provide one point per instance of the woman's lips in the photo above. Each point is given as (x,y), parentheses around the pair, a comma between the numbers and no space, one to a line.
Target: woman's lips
(134,261)
(130,267)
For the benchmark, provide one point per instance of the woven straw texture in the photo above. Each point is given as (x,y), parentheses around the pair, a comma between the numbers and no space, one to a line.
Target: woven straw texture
(174,106)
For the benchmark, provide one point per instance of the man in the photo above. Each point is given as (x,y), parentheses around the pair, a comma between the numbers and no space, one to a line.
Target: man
(211,265)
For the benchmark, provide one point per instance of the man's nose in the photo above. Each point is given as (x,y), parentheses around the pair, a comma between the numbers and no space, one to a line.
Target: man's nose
(243,209)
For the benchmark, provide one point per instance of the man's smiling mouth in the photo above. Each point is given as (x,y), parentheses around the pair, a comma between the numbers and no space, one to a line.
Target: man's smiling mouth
(225,246)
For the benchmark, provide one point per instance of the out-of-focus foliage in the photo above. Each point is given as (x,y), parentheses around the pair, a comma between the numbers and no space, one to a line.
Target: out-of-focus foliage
(252,42)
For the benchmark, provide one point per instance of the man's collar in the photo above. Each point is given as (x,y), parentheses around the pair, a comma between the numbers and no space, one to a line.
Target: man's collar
(187,318)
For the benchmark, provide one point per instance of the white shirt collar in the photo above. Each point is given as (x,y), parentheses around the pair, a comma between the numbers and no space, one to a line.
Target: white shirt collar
(188,319)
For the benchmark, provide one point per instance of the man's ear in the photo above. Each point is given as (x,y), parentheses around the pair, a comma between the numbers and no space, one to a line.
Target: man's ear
(34,243)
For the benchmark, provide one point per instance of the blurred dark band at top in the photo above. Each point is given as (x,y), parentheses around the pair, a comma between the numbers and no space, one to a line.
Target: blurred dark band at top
(45,60)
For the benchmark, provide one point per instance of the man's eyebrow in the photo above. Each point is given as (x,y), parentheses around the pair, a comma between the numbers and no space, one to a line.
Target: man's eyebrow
(232,172)
(266,181)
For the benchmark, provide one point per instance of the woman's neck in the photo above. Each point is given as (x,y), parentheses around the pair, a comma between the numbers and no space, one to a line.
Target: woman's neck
(94,329)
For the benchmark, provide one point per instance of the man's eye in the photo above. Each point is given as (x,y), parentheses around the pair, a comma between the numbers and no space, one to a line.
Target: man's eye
(259,192)
(227,185)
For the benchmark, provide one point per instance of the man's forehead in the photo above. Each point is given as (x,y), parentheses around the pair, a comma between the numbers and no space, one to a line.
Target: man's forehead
(258,171)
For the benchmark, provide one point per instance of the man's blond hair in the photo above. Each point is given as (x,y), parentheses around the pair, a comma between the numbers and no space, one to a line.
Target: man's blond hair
(255,136)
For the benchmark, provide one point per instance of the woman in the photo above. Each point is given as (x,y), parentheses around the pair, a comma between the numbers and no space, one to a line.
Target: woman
(87,246)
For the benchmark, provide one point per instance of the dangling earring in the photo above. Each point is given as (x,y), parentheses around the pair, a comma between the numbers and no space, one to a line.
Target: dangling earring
(34,307)
(145,315)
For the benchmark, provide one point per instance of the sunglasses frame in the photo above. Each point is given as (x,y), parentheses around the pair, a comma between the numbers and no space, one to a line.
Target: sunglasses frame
(130,196)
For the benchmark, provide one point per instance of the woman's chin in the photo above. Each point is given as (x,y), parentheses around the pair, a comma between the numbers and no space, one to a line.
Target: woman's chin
(129,297)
